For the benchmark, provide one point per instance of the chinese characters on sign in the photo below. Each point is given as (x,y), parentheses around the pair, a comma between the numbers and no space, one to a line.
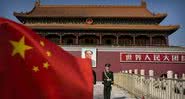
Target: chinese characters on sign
(167,57)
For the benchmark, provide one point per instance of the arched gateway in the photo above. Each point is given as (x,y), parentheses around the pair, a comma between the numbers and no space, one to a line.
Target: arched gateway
(122,35)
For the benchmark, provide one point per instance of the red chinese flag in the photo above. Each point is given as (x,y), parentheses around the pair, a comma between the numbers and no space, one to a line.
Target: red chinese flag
(31,67)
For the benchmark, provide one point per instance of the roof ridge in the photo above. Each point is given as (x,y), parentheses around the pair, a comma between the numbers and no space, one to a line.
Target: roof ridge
(112,6)
(109,25)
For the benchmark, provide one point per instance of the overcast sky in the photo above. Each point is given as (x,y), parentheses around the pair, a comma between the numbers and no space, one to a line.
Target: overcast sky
(174,8)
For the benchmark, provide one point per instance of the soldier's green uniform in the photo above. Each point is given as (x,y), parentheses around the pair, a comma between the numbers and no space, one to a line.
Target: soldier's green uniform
(108,80)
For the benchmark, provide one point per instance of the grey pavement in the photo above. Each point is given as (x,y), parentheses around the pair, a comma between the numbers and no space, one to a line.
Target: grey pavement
(117,93)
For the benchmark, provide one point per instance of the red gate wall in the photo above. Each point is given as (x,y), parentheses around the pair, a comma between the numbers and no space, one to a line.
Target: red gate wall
(114,59)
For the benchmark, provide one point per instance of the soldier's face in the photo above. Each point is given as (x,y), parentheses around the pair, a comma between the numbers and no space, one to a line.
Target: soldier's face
(88,54)
(107,68)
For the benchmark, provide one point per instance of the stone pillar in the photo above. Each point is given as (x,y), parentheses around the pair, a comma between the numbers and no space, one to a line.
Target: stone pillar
(169,88)
(141,84)
(142,72)
(151,73)
(135,71)
(130,71)
(183,76)
(169,74)
(175,76)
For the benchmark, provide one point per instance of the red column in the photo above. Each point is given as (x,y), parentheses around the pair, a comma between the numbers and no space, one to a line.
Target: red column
(100,43)
(76,40)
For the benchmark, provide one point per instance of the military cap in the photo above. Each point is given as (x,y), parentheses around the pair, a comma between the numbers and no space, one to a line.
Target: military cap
(107,65)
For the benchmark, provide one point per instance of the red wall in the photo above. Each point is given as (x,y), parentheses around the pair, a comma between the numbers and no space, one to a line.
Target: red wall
(114,59)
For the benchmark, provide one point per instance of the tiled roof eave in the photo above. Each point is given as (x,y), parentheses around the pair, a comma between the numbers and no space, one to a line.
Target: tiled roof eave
(55,16)
(92,27)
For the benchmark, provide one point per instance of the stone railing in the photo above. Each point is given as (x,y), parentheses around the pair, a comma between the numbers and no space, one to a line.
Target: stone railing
(150,87)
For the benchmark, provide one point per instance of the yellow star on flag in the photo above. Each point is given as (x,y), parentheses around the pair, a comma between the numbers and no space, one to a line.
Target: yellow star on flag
(42,43)
(46,65)
(48,53)
(19,47)
(35,68)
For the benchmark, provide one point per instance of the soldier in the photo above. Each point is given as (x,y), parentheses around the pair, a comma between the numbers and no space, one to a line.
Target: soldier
(108,80)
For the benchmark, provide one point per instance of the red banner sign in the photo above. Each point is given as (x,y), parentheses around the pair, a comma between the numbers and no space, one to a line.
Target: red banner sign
(152,57)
